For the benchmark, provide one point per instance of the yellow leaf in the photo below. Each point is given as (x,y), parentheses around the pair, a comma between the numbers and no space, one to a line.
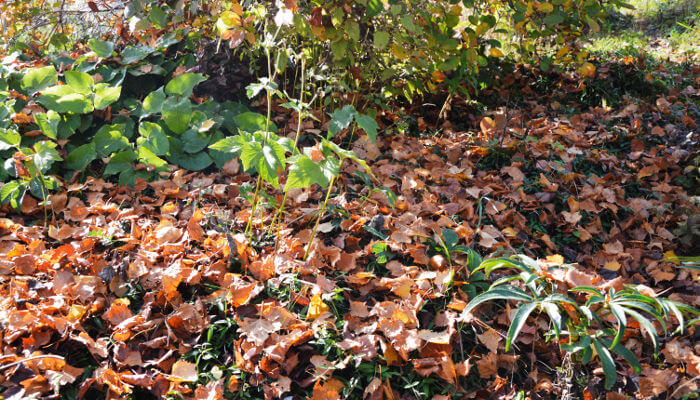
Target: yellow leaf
(671,256)
(183,371)
(545,7)
(556,259)
(496,52)
(587,69)
(612,265)
(317,307)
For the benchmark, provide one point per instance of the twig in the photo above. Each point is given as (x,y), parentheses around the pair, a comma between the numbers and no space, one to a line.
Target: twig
(12,364)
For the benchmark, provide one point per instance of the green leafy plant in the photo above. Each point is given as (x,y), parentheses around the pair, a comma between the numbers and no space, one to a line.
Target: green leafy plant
(597,326)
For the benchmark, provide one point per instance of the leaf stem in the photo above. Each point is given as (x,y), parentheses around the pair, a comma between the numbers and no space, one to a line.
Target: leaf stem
(320,215)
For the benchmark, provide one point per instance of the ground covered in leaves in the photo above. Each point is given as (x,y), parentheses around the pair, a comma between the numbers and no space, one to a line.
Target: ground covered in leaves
(154,291)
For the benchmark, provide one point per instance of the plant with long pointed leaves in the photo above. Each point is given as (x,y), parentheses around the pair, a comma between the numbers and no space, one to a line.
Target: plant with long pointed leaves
(597,326)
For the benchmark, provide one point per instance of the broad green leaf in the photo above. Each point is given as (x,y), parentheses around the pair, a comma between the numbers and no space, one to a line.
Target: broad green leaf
(48,123)
(253,122)
(341,119)
(608,364)
(9,138)
(106,95)
(132,54)
(554,19)
(518,322)
(353,30)
(381,40)
(192,162)
(102,48)
(147,157)
(12,193)
(450,238)
(80,82)
(153,103)
(109,139)
(193,141)
(177,114)
(120,162)
(231,144)
(183,84)
(45,155)
(41,189)
(79,158)
(330,167)
(64,99)
(369,125)
(265,159)
(303,173)
(36,79)
(153,138)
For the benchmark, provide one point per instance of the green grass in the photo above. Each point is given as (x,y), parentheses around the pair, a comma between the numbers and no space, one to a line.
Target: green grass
(663,28)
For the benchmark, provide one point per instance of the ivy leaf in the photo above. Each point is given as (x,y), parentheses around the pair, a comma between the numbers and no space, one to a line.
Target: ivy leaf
(37,79)
(177,114)
(183,84)
(102,48)
(79,158)
(303,173)
(153,138)
(48,123)
(369,125)
(341,119)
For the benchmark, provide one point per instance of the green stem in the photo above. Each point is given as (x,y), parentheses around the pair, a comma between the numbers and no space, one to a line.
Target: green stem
(320,215)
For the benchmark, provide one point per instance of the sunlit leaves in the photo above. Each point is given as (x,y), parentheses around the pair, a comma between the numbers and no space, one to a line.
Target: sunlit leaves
(153,138)
(177,114)
(183,84)
(37,79)
(101,48)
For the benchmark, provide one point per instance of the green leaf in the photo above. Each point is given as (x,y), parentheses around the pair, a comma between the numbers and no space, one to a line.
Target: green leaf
(381,40)
(36,79)
(552,311)
(106,95)
(608,364)
(120,162)
(374,7)
(48,123)
(177,114)
(9,138)
(109,139)
(192,162)
(369,125)
(619,314)
(498,293)
(625,353)
(554,19)
(194,142)
(80,82)
(132,54)
(153,138)
(183,84)
(353,30)
(518,322)
(64,99)
(303,173)
(450,238)
(153,103)
(79,158)
(341,119)
(647,326)
(12,193)
(147,157)
(102,48)
(253,122)
(231,144)
(45,155)
(265,159)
